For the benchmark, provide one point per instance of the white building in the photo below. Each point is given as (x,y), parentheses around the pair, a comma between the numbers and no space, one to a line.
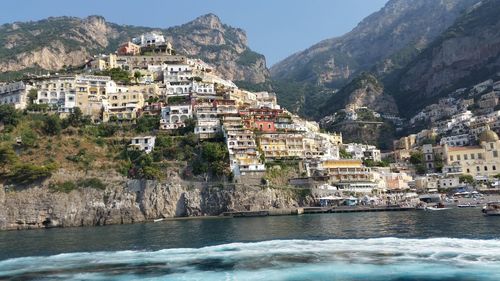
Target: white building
(149,39)
(14,93)
(175,116)
(146,143)
(363,151)
(59,93)
(458,140)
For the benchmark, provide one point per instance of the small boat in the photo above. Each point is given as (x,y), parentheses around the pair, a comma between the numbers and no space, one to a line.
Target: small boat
(468,205)
(158,220)
(492,209)
(438,207)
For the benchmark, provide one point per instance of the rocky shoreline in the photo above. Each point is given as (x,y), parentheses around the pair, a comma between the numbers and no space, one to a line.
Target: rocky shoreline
(132,201)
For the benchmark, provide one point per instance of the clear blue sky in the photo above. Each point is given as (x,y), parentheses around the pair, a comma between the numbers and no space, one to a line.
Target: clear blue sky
(275,28)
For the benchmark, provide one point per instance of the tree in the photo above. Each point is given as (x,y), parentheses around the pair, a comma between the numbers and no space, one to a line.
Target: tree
(466,179)
(32,96)
(52,125)
(137,76)
(344,154)
(9,115)
(416,158)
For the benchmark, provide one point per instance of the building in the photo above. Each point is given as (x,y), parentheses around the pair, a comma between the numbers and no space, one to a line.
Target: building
(60,93)
(15,94)
(122,107)
(175,116)
(346,175)
(129,49)
(103,62)
(149,39)
(146,143)
(281,145)
(479,161)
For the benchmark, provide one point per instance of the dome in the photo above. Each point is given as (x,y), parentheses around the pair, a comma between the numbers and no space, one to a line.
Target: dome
(488,136)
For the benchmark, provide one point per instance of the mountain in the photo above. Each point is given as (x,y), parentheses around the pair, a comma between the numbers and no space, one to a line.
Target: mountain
(58,42)
(465,54)
(382,42)
(363,91)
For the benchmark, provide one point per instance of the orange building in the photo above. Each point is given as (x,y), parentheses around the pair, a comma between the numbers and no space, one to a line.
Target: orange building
(129,49)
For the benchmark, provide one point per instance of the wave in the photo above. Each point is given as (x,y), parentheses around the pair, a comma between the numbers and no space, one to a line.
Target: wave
(349,259)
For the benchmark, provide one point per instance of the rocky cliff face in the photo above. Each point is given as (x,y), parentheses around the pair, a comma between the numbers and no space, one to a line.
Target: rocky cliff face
(384,41)
(467,53)
(128,201)
(363,91)
(54,43)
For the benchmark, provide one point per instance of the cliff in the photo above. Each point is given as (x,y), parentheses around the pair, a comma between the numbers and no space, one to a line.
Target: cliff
(382,42)
(466,54)
(128,201)
(59,42)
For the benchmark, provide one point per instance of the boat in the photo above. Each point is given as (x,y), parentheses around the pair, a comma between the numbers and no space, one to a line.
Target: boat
(492,209)
(438,207)
(158,220)
(468,205)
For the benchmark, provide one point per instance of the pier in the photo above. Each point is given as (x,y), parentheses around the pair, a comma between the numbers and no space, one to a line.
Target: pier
(314,210)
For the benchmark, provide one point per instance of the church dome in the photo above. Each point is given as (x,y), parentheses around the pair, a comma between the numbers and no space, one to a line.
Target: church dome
(488,136)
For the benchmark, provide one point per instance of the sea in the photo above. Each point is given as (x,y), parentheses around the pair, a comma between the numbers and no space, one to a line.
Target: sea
(455,244)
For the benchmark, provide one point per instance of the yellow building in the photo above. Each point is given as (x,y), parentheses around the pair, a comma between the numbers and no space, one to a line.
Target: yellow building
(122,107)
(277,146)
(148,91)
(104,62)
(479,161)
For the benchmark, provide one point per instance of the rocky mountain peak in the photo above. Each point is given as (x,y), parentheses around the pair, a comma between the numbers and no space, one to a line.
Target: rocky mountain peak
(210,21)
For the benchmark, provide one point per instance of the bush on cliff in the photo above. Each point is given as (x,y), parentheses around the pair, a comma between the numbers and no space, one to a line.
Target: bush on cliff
(91,183)
(28,173)
(65,187)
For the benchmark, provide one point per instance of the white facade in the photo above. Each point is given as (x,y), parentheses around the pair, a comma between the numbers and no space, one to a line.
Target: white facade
(179,88)
(58,92)
(15,94)
(458,140)
(149,39)
(174,116)
(146,143)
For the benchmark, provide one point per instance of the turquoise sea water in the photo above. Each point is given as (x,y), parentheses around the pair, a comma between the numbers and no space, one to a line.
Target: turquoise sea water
(444,245)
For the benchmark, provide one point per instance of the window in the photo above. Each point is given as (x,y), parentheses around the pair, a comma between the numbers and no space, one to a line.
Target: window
(465,157)
(486,168)
(458,157)
(477,169)
(472,156)
(495,153)
(494,168)
(491,145)
(479,156)
(468,170)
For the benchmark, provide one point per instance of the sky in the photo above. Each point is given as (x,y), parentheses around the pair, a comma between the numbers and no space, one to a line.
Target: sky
(275,28)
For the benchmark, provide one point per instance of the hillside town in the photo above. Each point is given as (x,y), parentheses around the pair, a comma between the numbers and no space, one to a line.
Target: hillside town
(151,79)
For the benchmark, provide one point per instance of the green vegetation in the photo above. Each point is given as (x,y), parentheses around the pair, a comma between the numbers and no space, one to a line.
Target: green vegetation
(117,74)
(468,179)
(417,159)
(344,154)
(249,58)
(91,183)
(147,124)
(28,173)
(65,187)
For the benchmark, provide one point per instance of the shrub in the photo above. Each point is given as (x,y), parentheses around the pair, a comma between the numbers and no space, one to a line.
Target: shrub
(91,183)
(9,115)
(52,125)
(65,187)
(28,173)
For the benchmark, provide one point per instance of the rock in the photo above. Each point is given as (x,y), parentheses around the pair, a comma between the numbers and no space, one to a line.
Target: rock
(128,201)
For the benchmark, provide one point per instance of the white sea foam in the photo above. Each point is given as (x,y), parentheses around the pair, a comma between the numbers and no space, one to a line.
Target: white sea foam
(350,259)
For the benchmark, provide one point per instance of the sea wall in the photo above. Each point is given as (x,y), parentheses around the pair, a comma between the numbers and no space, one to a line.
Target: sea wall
(128,201)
